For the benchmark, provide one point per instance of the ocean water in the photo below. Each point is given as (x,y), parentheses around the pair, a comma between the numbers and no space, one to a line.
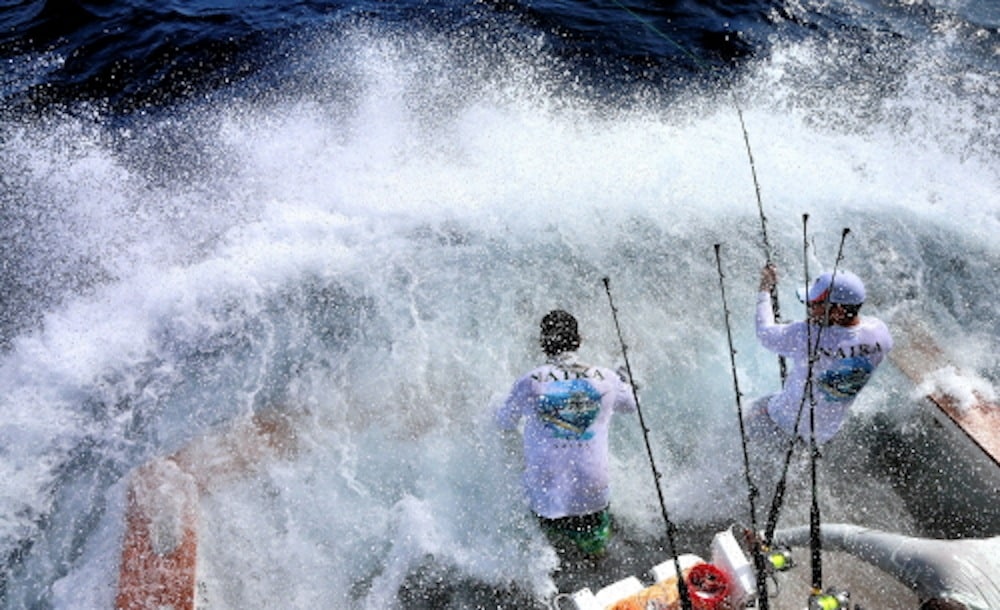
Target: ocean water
(354,215)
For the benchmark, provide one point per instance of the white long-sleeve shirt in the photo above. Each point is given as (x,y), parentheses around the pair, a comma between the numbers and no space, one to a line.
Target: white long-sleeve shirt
(846,357)
(567,407)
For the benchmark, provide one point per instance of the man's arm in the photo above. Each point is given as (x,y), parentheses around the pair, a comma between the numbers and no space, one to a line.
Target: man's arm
(779,338)
(508,415)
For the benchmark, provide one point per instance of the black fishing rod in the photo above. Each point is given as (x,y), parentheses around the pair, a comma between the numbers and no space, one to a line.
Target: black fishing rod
(815,538)
(779,493)
(759,561)
(671,529)
(815,541)
(769,259)
(782,367)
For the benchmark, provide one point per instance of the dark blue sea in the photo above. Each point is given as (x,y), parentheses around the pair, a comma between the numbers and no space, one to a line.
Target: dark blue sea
(127,57)
(353,215)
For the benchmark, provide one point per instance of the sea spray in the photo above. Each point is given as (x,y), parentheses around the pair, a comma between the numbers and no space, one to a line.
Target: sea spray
(376,262)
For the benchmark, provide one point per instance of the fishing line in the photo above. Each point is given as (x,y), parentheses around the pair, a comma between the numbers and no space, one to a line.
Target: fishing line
(752,491)
(671,528)
(768,253)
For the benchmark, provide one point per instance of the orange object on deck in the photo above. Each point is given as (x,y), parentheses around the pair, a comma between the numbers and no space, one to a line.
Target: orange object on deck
(159,561)
(708,589)
(160,549)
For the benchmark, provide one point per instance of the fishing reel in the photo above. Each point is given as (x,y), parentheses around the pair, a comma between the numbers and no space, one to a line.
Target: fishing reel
(780,559)
(776,558)
(831,599)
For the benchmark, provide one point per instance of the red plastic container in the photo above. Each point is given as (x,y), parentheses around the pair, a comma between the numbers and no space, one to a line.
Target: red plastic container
(708,587)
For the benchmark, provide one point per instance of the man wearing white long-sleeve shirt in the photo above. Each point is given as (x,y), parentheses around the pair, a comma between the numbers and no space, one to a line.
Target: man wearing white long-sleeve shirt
(567,407)
(834,354)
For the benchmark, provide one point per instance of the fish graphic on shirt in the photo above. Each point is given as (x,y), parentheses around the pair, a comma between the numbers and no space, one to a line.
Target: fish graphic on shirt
(568,408)
(846,380)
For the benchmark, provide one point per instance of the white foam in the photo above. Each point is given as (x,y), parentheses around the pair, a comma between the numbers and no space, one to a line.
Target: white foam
(967,390)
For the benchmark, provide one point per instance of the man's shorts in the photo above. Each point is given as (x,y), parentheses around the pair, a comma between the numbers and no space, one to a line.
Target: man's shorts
(589,533)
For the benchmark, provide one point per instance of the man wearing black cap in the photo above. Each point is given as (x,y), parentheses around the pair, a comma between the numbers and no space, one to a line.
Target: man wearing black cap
(836,351)
(567,408)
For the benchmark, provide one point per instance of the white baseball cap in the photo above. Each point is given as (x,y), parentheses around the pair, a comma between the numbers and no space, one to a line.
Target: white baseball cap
(847,289)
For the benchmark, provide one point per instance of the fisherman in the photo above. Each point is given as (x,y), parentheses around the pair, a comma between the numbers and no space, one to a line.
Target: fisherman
(839,347)
(567,408)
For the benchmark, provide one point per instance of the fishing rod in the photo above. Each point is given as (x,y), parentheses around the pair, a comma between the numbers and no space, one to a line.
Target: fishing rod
(768,258)
(815,541)
(779,493)
(782,367)
(815,538)
(752,492)
(671,528)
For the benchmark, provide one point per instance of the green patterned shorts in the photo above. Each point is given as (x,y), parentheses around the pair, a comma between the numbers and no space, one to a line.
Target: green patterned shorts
(589,533)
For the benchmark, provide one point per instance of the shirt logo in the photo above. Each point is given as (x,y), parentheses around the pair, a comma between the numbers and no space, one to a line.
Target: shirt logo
(843,383)
(568,408)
